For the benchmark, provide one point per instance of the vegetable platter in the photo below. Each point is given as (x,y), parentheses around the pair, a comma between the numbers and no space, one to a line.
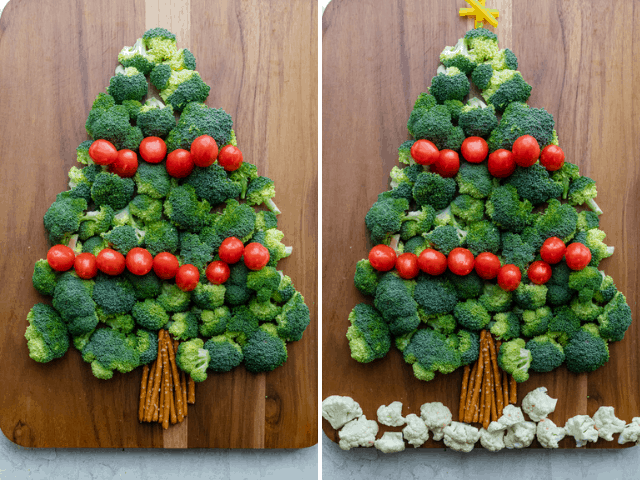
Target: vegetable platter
(269,88)
(377,59)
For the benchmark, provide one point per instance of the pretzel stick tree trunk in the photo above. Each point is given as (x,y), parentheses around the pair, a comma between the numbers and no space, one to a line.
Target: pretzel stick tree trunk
(143,392)
(496,377)
(463,393)
(468,413)
(475,401)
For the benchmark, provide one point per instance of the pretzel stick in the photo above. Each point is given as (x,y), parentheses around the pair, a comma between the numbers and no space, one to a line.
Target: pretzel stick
(192,391)
(147,401)
(468,413)
(177,387)
(143,392)
(496,378)
(183,385)
(513,393)
(488,382)
(476,392)
(494,409)
(167,384)
(463,393)
(153,401)
(505,388)
(162,397)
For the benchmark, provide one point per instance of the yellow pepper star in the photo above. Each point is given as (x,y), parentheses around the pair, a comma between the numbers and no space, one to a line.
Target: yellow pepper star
(481,13)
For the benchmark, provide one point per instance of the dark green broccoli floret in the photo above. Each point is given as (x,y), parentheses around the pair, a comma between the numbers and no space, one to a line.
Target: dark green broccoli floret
(433,123)
(237,292)
(505,87)
(153,180)
(237,220)
(146,208)
(587,220)
(432,189)
(471,315)
(262,190)
(193,359)
(242,325)
(546,354)
(394,301)
(198,119)
(476,118)
(586,351)
(212,184)
(159,76)
(530,296)
(265,220)
(81,179)
(145,286)
(72,299)
(507,211)
(430,351)
(264,282)
(435,295)
(123,238)
(265,350)
(449,84)
(607,290)
(184,87)
(586,281)
(558,291)
(242,176)
(583,190)
(384,218)
(94,245)
(444,322)
(96,222)
(161,236)
(534,184)
(127,84)
(536,322)
(559,220)
(474,179)
(468,346)
(285,289)
(185,211)
(108,350)
(113,295)
(366,278)
(214,322)
(47,335)
(505,326)
(150,314)
(467,286)
(483,43)
(147,346)
(193,251)
(184,325)
(565,175)
(110,189)
(133,108)
(63,217)
(208,296)
(44,277)
(122,322)
(515,359)
(113,124)
(458,56)
(155,119)
(563,325)
(455,108)
(224,352)
(444,239)
(483,236)
(172,299)
(615,319)
(136,56)
(467,208)
(368,335)
(293,319)
(519,119)
(515,251)
(495,299)
(481,77)
(416,245)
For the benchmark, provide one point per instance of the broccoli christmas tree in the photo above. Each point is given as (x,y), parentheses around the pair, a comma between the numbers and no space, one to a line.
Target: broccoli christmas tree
(487,232)
(160,250)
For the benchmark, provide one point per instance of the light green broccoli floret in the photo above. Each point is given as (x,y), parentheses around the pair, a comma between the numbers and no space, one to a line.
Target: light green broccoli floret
(193,359)
(515,359)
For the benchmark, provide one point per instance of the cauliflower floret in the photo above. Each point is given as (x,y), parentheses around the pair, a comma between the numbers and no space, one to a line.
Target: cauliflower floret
(339,410)
(358,433)
(496,427)
(437,417)
(631,432)
(416,431)
(461,436)
(511,415)
(492,441)
(607,423)
(537,404)
(582,428)
(549,434)
(390,442)
(391,415)
(520,435)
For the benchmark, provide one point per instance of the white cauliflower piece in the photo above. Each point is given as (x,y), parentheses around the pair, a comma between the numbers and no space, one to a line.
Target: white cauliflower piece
(582,428)
(461,436)
(549,434)
(390,442)
(511,415)
(437,417)
(358,433)
(416,431)
(492,441)
(607,423)
(391,415)
(520,435)
(537,404)
(495,427)
(631,432)
(339,410)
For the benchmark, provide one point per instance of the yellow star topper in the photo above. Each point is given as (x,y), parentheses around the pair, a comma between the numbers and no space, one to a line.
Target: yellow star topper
(481,13)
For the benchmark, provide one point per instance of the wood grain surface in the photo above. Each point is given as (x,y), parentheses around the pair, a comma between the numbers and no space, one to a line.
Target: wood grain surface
(583,64)
(260,58)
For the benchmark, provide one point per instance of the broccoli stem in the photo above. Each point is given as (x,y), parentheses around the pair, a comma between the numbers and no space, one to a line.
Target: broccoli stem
(272,206)
(119,70)
(591,203)
(476,102)
(154,102)
(393,243)
(609,252)
(73,243)
(288,250)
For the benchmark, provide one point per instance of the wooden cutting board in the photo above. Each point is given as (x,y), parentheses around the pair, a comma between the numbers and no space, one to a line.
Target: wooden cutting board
(260,58)
(583,66)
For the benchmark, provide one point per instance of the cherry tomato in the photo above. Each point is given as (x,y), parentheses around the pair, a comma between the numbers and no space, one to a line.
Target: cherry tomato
(256,256)
(61,258)
(501,163)
(218,272)
(126,164)
(525,150)
(165,265)
(539,272)
(187,277)
(424,152)
(577,256)
(509,277)
(204,150)
(230,158)
(110,262)
(103,152)
(448,163)
(407,265)
(231,250)
(86,266)
(139,261)
(152,149)
(487,265)
(553,249)
(382,258)
(432,262)
(474,149)
(460,261)
(552,158)
(179,163)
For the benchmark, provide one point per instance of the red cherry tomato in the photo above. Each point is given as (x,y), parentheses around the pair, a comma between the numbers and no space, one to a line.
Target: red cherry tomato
(61,258)
(139,261)
(501,163)
(474,149)
(539,272)
(204,150)
(231,250)
(509,277)
(448,163)
(382,258)
(103,152)
(460,261)
(424,152)
(525,151)
(187,277)
(577,256)
(152,149)
(230,158)
(553,249)
(126,164)
(432,262)
(218,272)
(487,265)
(85,265)
(179,163)
(552,158)
(110,262)
(165,265)
(407,265)
(256,256)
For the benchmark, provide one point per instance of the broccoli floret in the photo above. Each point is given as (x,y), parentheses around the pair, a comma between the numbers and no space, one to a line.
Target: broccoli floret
(265,350)
(536,322)
(418,222)
(455,108)
(593,240)
(95,222)
(435,295)
(237,220)
(44,277)
(518,119)
(416,245)
(150,314)
(586,281)
(214,322)
(468,346)
(127,84)
(458,56)
(587,220)
(546,354)
(156,119)
(159,76)
(113,295)
(108,350)
(47,335)
(198,119)
(101,104)
(607,290)
(63,217)
(534,184)
(212,184)
(237,292)
(495,299)
(563,325)
(583,190)
(114,124)
(507,211)
(444,323)
(72,298)
(136,56)
(366,278)
(517,252)
(558,291)
(481,76)
(264,311)
(432,189)
(504,60)
(293,319)
(110,189)
(242,325)
(430,351)
(193,359)
(133,108)
(193,251)
(477,119)
(147,346)
(81,179)
(208,296)
(565,175)
(161,236)
(285,289)
(474,179)
(471,315)
(272,239)
(449,84)
(122,238)
(264,282)
(515,359)
(242,176)
(184,325)
(82,153)
(262,190)
(184,210)
(467,286)
(160,42)
(145,286)
(182,60)
(585,311)
(384,218)
(467,208)
(224,353)
(153,180)
(433,123)
(530,296)
(146,208)
(586,351)
(444,239)
(94,245)
(483,43)
(615,318)
(404,152)
(483,236)
(265,220)
(505,326)
(122,322)
(184,87)
(172,299)
(559,220)
(506,86)
(394,301)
